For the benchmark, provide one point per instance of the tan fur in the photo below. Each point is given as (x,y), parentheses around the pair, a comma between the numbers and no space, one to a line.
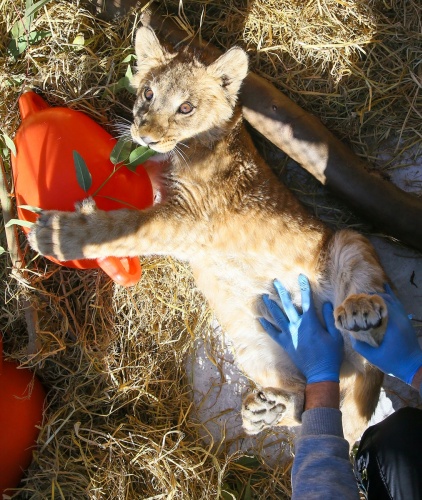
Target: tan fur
(226,213)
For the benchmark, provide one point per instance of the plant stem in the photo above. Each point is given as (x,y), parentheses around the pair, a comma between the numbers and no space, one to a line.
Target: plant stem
(106,180)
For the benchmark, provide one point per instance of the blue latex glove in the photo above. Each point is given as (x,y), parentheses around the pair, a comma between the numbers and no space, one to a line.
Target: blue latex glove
(316,352)
(399,353)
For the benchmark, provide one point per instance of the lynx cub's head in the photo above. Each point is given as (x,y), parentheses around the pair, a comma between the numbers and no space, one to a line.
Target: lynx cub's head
(179,97)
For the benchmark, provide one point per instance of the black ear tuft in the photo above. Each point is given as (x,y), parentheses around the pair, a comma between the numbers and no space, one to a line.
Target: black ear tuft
(225,81)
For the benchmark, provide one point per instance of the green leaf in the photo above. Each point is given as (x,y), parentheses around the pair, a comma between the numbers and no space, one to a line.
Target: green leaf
(20,28)
(35,8)
(119,85)
(79,40)
(36,36)
(12,80)
(19,222)
(139,155)
(247,494)
(129,73)
(30,208)
(2,250)
(121,151)
(130,57)
(17,47)
(248,461)
(83,175)
(9,143)
(128,80)
(124,83)
(229,495)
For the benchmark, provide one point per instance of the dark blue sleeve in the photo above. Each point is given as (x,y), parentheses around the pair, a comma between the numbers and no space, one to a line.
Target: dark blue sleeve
(322,468)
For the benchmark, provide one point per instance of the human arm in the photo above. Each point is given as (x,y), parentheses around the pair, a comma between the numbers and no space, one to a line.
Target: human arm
(322,395)
(321,468)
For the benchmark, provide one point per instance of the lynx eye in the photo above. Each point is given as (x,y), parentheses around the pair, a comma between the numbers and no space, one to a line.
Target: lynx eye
(186,108)
(148,94)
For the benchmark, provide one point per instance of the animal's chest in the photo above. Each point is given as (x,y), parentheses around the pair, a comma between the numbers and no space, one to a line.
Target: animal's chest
(242,274)
(228,229)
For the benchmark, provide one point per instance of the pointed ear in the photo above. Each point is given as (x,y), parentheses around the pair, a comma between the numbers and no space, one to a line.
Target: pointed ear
(149,51)
(232,68)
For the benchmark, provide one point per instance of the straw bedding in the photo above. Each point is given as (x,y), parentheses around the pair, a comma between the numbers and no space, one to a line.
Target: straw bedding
(118,416)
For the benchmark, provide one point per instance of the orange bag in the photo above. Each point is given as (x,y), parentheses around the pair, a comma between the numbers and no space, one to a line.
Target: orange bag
(21,411)
(44,173)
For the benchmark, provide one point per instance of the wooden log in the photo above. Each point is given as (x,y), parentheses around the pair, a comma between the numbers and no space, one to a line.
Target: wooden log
(307,141)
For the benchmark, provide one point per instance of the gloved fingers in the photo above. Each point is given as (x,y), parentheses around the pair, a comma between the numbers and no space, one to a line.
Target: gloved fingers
(289,308)
(306,293)
(392,300)
(393,303)
(276,313)
(328,314)
(389,291)
(274,333)
(362,348)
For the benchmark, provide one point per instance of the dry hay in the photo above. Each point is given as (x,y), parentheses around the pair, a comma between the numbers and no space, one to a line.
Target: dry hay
(117,421)
(354,64)
(118,424)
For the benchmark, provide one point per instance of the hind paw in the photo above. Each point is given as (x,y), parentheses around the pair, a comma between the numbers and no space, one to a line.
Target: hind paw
(264,409)
(363,316)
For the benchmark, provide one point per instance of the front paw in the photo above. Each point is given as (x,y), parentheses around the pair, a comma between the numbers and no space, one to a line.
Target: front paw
(363,316)
(59,235)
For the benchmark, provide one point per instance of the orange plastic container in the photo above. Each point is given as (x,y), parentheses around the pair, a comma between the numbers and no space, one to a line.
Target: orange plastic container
(44,173)
(21,411)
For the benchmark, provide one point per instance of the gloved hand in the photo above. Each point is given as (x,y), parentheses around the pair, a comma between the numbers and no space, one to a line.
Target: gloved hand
(399,353)
(316,352)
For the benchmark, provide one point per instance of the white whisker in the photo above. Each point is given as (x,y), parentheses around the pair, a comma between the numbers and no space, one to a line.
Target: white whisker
(177,152)
(122,128)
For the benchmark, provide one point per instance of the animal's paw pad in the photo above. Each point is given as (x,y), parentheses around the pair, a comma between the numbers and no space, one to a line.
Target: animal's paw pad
(263,409)
(364,316)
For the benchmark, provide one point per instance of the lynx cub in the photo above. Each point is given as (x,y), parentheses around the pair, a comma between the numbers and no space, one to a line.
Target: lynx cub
(226,213)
